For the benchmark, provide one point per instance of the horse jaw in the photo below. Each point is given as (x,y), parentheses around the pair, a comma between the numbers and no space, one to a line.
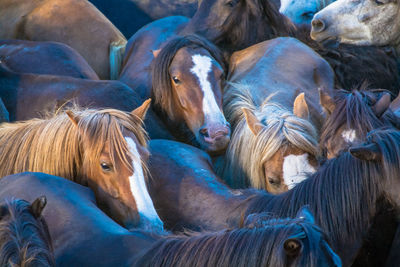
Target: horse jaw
(149,219)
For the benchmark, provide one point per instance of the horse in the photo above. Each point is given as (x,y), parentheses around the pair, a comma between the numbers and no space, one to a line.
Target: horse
(184,78)
(236,25)
(302,11)
(76,23)
(44,58)
(71,211)
(344,193)
(24,235)
(359,23)
(49,93)
(102,149)
(272,147)
(352,114)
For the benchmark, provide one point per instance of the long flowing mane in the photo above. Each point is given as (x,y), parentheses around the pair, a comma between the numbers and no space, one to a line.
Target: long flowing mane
(343,193)
(162,93)
(24,240)
(258,246)
(246,152)
(354,109)
(55,146)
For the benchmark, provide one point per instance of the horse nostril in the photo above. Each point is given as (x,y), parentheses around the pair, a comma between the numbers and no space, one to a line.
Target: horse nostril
(204,132)
(318,25)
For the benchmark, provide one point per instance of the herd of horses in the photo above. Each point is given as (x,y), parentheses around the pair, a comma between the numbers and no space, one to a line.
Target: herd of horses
(255,133)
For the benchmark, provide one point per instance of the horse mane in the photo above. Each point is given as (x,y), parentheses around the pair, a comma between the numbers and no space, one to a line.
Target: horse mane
(251,246)
(162,92)
(24,240)
(246,153)
(56,146)
(342,194)
(354,109)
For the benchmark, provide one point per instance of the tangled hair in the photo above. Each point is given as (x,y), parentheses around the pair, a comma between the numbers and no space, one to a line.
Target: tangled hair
(24,240)
(55,146)
(247,153)
(252,246)
(162,93)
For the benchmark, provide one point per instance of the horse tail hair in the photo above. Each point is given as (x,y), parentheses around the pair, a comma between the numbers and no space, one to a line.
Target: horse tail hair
(117,50)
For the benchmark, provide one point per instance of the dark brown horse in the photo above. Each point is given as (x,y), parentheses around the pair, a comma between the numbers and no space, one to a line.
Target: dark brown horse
(44,58)
(261,241)
(344,193)
(184,76)
(24,236)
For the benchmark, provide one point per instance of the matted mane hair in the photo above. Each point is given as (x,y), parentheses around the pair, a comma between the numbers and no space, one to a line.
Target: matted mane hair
(247,153)
(354,110)
(161,92)
(24,240)
(250,246)
(56,146)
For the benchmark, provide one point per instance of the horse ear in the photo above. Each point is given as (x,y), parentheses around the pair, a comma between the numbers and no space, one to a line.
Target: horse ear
(74,119)
(381,105)
(156,52)
(254,124)
(326,101)
(368,152)
(292,247)
(305,214)
(142,110)
(395,105)
(38,206)
(300,107)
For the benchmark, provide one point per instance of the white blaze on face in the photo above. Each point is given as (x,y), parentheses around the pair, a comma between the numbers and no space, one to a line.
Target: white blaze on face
(148,216)
(295,169)
(349,135)
(202,66)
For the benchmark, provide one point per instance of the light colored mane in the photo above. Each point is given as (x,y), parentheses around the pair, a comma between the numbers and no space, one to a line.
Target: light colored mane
(246,152)
(57,147)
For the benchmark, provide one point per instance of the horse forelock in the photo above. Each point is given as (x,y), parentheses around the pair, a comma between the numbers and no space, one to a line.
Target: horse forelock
(25,240)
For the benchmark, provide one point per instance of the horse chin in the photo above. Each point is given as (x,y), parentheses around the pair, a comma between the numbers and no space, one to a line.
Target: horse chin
(215,146)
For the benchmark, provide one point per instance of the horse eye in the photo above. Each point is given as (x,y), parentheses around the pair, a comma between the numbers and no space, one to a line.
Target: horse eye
(230,3)
(308,14)
(106,167)
(379,3)
(273,181)
(176,80)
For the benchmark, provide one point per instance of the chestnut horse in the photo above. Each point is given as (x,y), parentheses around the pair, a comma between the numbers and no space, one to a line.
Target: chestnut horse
(44,58)
(272,148)
(76,23)
(261,241)
(48,93)
(184,78)
(343,194)
(102,149)
(25,238)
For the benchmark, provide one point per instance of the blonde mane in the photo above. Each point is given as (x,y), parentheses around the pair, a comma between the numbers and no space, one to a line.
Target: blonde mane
(58,147)
(247,153)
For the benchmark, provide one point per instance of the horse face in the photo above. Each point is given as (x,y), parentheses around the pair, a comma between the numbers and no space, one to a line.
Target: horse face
(341,141)
(300,11)
(196,83)
(288,167)
(123,192)
(359,22)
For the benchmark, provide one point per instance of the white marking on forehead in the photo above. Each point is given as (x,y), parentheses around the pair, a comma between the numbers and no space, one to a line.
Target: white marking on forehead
(148,216)
(295,169)
(349,135)
(201,68)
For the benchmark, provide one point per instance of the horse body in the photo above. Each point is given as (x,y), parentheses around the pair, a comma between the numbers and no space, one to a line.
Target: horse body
(302,11)
(75,23)
(44,58)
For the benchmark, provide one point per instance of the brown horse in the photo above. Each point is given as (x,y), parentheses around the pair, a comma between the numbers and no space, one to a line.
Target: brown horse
(44,58)
(76,23)
(99,148)
(344,193)
(272,147)
(24,236)
(48,93)
(185,83)
(261,241)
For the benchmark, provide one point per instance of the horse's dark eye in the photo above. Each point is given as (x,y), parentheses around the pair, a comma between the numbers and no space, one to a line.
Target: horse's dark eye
(379,3)
(231,3)
(273,181)
(106,167)
(308,15)
(176,80)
